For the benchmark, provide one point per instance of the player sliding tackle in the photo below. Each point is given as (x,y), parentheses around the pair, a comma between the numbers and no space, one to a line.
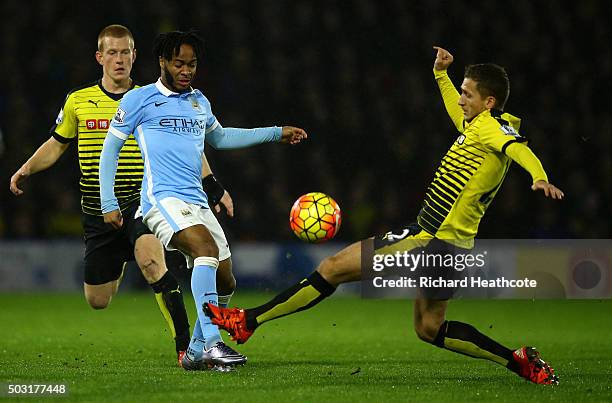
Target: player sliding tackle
(467,179)
(171,121)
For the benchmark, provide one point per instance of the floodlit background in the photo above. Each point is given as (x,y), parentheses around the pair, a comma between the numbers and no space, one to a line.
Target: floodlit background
(357,76)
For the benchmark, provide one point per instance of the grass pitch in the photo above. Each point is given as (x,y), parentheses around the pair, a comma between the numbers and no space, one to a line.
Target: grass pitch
(345,349)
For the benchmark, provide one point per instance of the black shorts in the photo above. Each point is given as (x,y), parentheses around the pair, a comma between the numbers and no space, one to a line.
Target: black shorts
(440,252)
(107,249)
(436,255)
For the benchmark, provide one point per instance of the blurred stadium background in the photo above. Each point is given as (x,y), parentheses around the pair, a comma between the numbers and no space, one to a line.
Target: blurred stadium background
(357,76)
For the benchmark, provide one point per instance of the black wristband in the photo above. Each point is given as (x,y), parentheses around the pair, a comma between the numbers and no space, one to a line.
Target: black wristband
(213,190)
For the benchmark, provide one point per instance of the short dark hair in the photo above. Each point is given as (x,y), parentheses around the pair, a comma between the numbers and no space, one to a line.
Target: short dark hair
(168,44)
(491,80)
(114,31)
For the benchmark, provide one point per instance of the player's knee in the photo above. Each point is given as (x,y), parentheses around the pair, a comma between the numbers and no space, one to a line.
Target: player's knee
(98,301)
(424,334)
(427,329)
(214,249)
(208,249)
(330,270)
(336,270)
(99,296)
(151,269)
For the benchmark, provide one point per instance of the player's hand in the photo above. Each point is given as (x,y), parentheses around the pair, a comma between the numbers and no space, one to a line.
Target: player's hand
(16,180)
(114,218)
(549,189)
(227,202)
(443,58)
(293,135)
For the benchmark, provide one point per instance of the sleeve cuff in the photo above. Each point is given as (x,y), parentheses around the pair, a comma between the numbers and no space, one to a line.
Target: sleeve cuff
(440,73)
(117,133)
(278,133)
(108,206)
(212,127)
(540,178)
(61,139)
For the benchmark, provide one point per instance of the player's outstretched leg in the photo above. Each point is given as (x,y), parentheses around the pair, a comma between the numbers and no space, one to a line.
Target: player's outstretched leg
(533,368)
(462,338)
(343,267)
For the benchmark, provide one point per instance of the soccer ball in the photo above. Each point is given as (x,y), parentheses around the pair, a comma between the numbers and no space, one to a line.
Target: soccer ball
(315,217)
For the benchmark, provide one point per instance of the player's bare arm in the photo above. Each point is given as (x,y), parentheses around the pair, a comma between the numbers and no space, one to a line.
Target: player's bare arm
(46,155)
(293,135)
(443,58)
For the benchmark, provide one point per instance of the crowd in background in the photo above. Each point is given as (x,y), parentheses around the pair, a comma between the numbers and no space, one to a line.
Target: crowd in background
(357,76)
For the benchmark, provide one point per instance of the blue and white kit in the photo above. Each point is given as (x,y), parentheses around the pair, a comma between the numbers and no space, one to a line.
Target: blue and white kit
(170,129)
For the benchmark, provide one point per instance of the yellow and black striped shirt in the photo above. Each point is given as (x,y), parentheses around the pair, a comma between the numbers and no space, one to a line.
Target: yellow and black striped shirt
(86,115)
(471,172)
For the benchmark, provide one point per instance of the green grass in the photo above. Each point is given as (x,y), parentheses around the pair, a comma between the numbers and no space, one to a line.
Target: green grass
(346,349)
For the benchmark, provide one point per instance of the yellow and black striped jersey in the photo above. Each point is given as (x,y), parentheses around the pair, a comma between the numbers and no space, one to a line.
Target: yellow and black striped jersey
(86,116)
(471,172)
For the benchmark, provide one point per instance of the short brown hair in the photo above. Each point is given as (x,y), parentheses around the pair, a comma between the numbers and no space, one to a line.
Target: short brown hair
(491,80)
(114,31)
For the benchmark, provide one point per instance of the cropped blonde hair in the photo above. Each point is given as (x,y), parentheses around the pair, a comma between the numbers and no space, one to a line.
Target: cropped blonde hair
(114,31)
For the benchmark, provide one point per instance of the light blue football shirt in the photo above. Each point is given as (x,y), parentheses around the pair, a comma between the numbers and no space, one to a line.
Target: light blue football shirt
(170,129)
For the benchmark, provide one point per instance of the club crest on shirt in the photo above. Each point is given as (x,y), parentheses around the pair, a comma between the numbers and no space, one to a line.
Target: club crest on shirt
(194,103)
(119,116)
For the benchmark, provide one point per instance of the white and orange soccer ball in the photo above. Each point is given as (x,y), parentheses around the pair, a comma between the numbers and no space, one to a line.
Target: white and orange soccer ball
(315,217)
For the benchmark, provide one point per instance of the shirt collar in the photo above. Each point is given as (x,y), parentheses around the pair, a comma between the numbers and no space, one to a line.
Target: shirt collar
(166,92)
